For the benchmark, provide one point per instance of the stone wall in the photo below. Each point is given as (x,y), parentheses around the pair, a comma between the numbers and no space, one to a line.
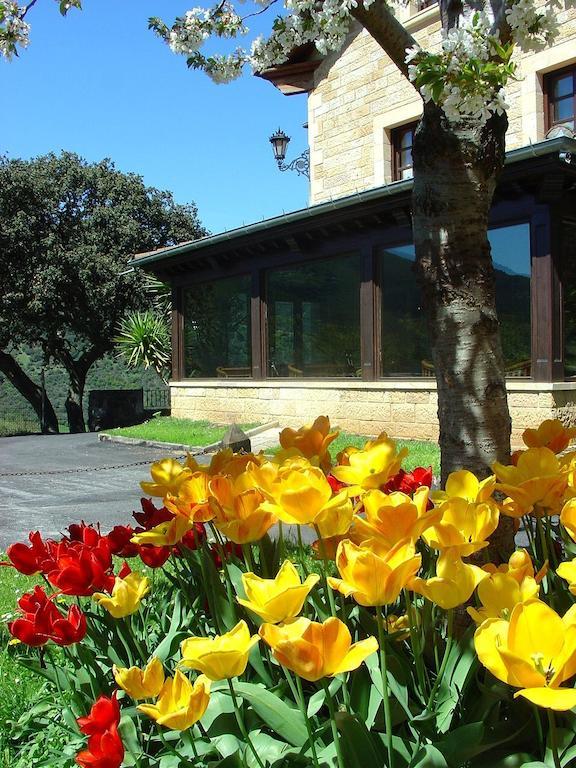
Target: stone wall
(403,409)
(359,96)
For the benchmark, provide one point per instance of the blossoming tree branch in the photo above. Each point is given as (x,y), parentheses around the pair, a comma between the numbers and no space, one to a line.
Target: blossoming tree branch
(458,153)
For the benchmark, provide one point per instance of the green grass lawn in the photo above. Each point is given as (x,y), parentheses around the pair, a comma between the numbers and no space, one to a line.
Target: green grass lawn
(167,429)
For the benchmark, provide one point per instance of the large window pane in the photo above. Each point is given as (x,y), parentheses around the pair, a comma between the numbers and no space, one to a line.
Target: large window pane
(217,329)
(314,319)
(405,346)
(511,258)
(569,293)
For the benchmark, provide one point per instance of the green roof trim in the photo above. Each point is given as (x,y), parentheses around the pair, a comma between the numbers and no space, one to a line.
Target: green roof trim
(561,146)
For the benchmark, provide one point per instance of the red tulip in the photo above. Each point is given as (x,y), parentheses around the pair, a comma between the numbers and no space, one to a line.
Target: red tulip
(80,569)
(105,750)
(86,534)
(335,484)
(195,538)
(151,516)
(154,557)
(104,714)
(41,621)
(230,550)
(31,559)
(119,540)
(408,482)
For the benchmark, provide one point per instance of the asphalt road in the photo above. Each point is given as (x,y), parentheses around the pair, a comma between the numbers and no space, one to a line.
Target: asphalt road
(50,502)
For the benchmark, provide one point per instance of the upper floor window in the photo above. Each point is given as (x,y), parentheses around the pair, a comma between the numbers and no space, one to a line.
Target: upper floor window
(560,89)
(402,139)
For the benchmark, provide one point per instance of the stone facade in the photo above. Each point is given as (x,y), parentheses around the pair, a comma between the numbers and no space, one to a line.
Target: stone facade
(359,96)
(404,409)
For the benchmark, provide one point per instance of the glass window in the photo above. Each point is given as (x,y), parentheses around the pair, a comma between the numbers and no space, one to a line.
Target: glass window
(561,90)
(511,258)
(405,346)
(217,339)
(569,294)
(314,319)
(402,139)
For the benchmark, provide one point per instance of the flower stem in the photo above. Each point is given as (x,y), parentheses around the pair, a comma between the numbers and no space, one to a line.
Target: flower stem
(385,691)
(335,734)
(302,705)
(447,649)
(415,639)
(553,739)
(241,724)
(325,572)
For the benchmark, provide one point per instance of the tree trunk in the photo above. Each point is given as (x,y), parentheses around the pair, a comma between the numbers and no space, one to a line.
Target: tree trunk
(455,175)
(77,373)
(31,392)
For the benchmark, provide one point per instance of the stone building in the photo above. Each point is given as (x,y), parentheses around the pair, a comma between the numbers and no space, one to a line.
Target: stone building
(317,311)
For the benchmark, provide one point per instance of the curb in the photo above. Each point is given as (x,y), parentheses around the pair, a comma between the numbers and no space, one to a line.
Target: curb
(104,437)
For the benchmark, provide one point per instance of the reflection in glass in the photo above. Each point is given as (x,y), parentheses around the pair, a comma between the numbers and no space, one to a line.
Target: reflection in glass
(405,346)
(569,293)
(511,258)
(217,329)
(314,319)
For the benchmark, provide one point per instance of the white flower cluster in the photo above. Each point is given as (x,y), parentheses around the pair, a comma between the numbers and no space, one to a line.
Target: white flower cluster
(466,78)
(224,69)
(531,27)
(325,24)
(198,24)
(14,31)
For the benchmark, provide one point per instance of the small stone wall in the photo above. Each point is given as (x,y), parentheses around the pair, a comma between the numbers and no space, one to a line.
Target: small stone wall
(404,409)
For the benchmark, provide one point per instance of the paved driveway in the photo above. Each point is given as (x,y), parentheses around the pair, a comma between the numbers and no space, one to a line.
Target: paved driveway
(50,502)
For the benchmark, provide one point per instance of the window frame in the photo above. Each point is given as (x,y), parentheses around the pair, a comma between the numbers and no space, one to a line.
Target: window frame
(547,88)
(396,135)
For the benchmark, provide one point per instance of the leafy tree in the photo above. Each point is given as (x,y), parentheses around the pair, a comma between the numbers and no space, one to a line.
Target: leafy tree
(67,230)
(458,154)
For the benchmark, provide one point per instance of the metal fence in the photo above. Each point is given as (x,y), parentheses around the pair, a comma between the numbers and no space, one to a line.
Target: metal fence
(19,421)
(157,399)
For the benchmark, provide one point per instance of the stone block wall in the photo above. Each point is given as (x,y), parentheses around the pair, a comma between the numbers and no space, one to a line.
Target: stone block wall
(404,410)
(359,96)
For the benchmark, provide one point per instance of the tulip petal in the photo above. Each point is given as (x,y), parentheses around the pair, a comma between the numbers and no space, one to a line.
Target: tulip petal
(559,699)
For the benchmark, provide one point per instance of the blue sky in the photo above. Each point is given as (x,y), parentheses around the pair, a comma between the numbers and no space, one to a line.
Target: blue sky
(99,83)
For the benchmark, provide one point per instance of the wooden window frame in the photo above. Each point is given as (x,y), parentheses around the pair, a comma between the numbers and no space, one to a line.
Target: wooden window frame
(547,81)
(395,138)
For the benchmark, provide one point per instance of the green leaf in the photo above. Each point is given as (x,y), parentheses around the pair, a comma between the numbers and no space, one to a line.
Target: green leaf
(278,715)
(429,757)
(359,748)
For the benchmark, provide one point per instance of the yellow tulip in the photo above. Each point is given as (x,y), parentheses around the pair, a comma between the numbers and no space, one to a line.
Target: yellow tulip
(370,468)
(465,485)
(166,534)
(278,599)
(180,704)
(261,476)
(220,657)
(454,583)
(535,485)
(550,434)
(311,441)
(192,500)
(167,476)
(326,548)
(535,651)
(568,518)
(390,518)
(303,496)
(127,594)
(141,683)
(519,566)
(374,576)
(240,516)
(224,462)
(464,526)
(567,571)
(499,593)
(313,650)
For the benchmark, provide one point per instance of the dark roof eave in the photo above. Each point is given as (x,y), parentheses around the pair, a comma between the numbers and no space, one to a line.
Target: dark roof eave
(550,147)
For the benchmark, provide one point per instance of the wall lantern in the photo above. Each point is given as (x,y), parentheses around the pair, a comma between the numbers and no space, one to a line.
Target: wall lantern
(301,164)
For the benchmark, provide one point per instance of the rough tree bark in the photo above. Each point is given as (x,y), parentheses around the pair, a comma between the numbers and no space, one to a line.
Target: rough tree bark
(455,175)
(30,391)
